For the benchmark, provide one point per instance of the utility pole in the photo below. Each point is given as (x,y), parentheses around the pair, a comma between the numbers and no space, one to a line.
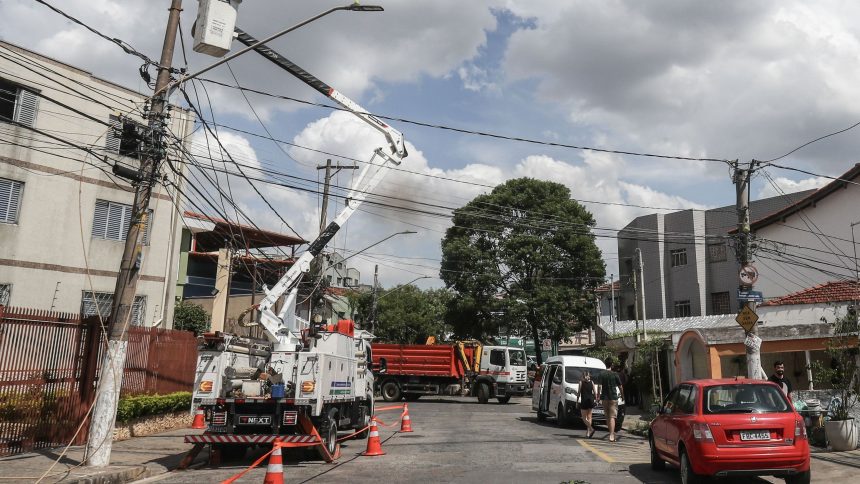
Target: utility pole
(640,267)
(328,176)
(612,309)
(752,343)
(373,303)
(100,438)
(636,298)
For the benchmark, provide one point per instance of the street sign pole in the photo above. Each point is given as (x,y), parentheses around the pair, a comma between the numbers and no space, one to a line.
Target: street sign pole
(748,275)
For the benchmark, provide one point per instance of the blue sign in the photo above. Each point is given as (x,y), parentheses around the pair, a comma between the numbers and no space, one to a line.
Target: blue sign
(750,296)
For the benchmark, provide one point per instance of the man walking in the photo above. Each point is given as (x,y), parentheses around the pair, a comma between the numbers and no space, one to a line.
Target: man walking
(610,389)
(779,378)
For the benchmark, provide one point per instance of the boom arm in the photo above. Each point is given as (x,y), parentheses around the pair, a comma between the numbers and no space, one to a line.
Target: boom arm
(280,329)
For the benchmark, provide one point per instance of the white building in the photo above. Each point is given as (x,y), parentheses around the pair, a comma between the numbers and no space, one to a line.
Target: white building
(63,215)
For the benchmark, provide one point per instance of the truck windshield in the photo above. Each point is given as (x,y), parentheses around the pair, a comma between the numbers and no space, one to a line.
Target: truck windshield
(745,398)
(517,357)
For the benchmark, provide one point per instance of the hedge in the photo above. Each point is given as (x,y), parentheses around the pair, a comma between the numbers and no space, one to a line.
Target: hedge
(142,405)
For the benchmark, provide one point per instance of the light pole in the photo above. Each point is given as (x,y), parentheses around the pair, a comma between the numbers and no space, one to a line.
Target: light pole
(401,286)
(405,232)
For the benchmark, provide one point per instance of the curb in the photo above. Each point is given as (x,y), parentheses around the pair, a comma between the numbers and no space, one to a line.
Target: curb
(109,475)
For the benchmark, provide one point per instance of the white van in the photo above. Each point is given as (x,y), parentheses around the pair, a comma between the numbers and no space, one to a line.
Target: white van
(556,390)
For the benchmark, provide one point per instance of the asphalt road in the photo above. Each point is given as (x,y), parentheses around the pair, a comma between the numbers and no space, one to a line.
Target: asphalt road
(459,440)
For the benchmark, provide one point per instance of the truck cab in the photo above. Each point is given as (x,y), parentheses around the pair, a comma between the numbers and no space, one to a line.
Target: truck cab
(556,390)
(502,374)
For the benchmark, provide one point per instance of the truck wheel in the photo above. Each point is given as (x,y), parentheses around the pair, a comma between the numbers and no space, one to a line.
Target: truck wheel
(504,400)
(328,432)
(365,421)
(483,393)
(391,391)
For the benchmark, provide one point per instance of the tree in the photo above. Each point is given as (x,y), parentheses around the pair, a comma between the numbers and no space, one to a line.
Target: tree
(405,313)
(524,250)
(188,316)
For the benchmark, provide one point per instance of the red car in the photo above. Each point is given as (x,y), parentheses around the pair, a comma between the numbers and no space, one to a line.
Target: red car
(730,427)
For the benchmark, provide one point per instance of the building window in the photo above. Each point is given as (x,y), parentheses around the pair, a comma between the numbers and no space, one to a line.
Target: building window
(339,265)
(682,309)
(347,282)
(111,221)
(679,257)
(10,200)
(329,279)
(339,281)
(716,252)
(100,304)
(720,303)
(5,294)
(124,137)
(17,104)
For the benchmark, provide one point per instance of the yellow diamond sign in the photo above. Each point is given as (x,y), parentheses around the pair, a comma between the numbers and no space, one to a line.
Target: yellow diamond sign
(747,318)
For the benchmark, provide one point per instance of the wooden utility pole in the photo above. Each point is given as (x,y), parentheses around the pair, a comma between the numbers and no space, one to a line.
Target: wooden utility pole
(747,275)
(100,438)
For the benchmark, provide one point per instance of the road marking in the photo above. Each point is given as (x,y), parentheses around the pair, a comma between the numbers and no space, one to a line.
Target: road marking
(626,451)
(595,451)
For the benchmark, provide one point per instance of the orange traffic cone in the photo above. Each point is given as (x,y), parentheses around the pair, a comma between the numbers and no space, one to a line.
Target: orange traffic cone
(199,420)
(405,421)
(275,469)
(374,446)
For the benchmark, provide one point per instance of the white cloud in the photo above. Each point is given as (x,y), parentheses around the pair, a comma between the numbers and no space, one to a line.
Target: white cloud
(790,186)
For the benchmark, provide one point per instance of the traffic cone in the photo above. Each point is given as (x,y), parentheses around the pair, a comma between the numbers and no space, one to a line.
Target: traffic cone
(199,420)
(405,421)
(374,446)
(275,469)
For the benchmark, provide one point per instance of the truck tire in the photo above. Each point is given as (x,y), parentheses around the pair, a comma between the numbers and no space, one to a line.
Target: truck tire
(504,400)
(328,432)
(391,391)
(363,434)
(483,393)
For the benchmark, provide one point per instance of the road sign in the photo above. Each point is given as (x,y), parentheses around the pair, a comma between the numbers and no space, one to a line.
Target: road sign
(750,296)
(748,275)
(547,345)
(747,318)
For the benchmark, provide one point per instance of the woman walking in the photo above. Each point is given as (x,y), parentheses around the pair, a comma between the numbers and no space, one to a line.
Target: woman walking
(586,401)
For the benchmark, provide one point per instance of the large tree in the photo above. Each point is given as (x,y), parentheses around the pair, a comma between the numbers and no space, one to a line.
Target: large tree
(522,255)
(404,313)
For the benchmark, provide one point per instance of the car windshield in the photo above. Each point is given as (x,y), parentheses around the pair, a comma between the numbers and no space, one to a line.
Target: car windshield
(517,357)
(745,398)
(573,374)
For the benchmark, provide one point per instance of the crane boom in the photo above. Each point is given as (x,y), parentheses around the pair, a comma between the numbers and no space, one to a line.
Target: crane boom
(281,328)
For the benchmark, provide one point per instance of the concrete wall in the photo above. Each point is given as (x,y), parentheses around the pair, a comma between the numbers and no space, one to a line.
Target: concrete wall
(49,256)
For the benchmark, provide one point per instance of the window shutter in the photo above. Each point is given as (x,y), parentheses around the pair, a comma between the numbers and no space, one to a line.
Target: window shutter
(137,311)
(5,293)
(100,219)
(10,200)
(112,140)
(25,108)
(115,225)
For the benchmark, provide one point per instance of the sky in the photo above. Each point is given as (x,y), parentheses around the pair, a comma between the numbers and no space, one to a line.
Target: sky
(727,80)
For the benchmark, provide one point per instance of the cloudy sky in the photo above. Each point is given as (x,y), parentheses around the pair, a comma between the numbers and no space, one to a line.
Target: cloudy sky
(730,80)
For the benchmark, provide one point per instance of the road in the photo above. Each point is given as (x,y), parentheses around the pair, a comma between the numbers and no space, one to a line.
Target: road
(459,440)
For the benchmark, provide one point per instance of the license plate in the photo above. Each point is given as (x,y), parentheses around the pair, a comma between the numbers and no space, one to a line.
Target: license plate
(254,420)
(761,435)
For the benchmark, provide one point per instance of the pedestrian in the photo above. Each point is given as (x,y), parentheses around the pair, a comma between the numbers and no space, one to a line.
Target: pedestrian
(779,378)
(610,389)
(586,402)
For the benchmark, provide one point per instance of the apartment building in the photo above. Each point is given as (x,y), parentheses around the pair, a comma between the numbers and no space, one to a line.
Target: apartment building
(63,213)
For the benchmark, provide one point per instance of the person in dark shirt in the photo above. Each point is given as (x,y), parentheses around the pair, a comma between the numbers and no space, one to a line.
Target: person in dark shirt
(610,389)
(586,402)
(779,378)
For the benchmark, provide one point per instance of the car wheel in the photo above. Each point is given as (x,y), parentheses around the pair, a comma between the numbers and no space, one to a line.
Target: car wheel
(391,391)
(687,474)
(801,478)
(657,463)
(483,393)
(504,400)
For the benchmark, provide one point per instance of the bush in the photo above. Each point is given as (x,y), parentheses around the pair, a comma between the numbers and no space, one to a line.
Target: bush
(142,405)
(188,316)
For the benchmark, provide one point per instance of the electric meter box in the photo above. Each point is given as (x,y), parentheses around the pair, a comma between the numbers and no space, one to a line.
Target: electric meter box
(213,31)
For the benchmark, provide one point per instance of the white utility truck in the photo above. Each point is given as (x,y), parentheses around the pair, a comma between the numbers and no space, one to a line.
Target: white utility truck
(305,381)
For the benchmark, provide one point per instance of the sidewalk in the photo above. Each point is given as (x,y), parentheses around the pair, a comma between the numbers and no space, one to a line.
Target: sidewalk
(131,460)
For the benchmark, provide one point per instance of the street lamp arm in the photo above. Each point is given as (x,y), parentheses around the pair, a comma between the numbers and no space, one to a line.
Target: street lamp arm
(377,243)
(404,285)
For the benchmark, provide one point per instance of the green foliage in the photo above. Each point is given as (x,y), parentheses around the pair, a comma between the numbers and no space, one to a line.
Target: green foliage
(142,405)
(841,373)
(601,353)
(29,404)
(529,243)
(405,313)
(188,316)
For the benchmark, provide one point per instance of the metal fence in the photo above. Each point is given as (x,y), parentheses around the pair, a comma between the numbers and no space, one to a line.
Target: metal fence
(49,367)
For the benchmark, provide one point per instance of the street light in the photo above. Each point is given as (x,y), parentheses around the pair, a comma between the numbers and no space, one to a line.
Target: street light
(401,286)
(379,242)
(352,7)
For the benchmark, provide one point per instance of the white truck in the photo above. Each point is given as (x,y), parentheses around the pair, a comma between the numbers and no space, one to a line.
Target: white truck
(304,382)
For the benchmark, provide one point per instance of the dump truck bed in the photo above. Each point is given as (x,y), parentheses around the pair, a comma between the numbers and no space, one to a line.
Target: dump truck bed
(422,360)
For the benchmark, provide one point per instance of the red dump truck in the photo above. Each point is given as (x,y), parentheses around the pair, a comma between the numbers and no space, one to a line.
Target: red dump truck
(467,367)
